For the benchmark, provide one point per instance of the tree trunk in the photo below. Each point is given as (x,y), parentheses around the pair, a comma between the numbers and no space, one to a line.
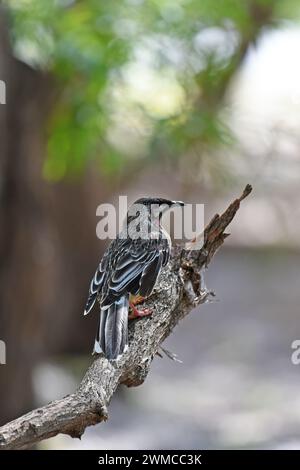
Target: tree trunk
(26,243)
(48,247)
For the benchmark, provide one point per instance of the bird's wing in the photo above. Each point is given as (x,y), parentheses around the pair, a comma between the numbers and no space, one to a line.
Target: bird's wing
(134,259)
(150,274)
(97,282)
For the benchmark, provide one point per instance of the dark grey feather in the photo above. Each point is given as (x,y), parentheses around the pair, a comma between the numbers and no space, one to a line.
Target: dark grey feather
(112,337)
(150,274)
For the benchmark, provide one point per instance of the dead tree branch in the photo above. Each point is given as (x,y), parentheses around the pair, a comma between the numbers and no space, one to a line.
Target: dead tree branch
(180,289)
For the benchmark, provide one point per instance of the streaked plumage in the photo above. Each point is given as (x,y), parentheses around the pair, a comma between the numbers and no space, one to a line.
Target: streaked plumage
(129,266)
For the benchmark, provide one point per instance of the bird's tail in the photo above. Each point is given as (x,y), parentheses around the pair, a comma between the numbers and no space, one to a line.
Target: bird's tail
(112,336)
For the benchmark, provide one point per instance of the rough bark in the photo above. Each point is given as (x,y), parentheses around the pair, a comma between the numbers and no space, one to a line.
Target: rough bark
(180,288)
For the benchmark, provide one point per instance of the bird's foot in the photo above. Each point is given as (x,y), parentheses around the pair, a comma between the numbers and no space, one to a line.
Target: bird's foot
(136,313)
(137,299)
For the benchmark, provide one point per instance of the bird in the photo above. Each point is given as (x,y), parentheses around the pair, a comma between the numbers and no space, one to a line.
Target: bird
(128,272)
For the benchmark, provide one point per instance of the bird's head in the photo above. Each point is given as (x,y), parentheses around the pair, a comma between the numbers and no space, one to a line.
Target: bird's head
(154,206)
(159,202)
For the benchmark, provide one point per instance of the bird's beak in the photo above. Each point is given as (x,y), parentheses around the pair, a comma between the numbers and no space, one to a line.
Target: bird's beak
(177,203)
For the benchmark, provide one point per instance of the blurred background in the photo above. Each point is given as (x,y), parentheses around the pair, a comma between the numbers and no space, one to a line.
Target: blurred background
(188,99)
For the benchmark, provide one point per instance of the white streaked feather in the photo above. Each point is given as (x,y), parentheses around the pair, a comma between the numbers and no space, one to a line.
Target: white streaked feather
(97,348)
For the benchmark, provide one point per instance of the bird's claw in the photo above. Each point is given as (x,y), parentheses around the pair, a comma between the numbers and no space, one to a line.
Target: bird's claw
(136,313)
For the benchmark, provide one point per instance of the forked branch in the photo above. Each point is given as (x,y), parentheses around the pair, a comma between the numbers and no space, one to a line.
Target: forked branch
(180,288)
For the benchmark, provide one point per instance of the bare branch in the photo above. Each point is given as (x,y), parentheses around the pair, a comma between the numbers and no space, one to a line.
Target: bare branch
(180,288)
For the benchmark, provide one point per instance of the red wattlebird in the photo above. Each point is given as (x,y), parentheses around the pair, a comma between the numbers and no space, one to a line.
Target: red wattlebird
(130,267)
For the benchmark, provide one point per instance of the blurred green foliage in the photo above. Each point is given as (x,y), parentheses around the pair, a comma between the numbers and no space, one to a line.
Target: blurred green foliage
(137,78)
